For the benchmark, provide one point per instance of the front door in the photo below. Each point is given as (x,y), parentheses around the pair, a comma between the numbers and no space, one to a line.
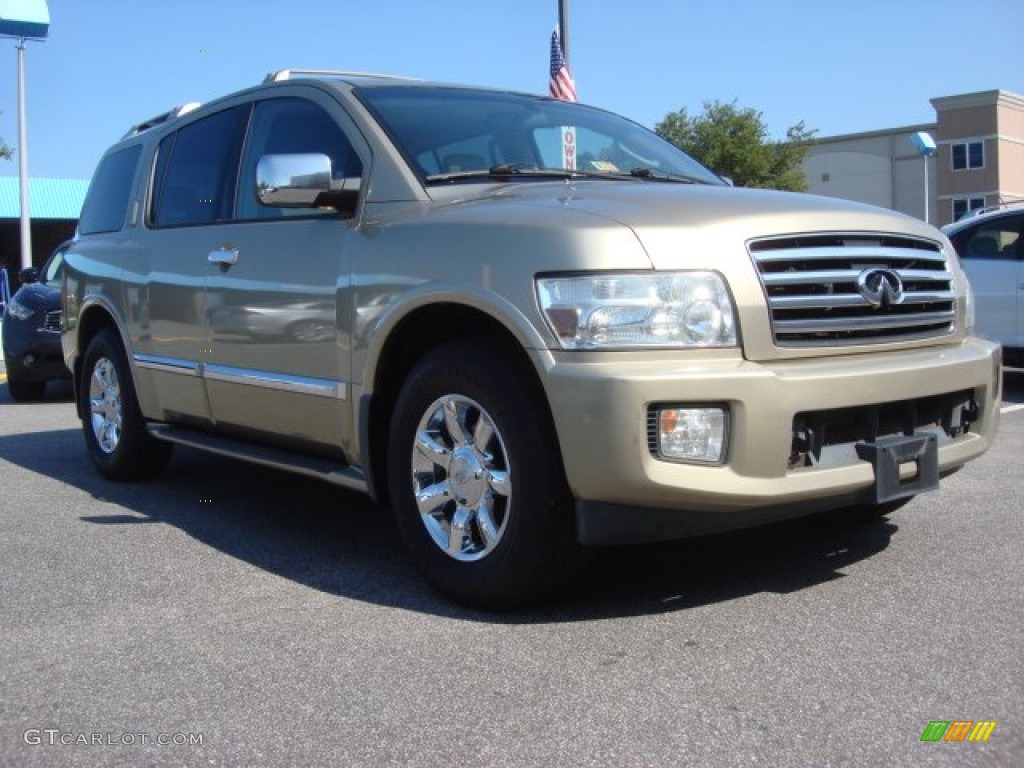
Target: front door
(278,358)
(992,253)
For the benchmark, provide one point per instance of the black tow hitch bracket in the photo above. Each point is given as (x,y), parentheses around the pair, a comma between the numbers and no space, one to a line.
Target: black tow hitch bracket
(888,454)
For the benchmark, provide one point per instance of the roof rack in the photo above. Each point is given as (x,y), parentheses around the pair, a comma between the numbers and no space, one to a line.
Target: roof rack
(1002,205)
(163,117)
(288,74)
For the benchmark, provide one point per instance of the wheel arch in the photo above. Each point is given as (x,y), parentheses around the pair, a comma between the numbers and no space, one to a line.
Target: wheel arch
(416,333)
(93,318)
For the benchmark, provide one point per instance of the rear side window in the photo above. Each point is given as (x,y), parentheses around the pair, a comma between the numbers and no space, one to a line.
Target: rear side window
(195,173)
(107,202)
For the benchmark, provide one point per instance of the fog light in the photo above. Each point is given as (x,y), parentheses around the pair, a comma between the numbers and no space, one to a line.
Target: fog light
(692,434)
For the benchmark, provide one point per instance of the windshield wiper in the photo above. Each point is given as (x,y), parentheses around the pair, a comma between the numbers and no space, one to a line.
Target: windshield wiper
(653,175)
(523,170)
(520,170)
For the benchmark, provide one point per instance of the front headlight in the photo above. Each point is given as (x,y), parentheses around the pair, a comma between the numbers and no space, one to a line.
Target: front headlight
(968,306)
(622,311)
(18,311)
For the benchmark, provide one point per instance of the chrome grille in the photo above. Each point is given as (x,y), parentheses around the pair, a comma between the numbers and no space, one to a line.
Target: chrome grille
(52,321)
(816,287)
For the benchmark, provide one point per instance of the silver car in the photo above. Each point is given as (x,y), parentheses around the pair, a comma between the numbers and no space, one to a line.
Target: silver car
(991,248)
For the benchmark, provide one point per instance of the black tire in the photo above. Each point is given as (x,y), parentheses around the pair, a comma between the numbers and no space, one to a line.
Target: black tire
(518,543)
(115,432)
(26,391)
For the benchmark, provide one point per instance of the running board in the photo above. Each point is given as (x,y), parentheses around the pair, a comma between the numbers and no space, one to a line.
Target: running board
(310,466)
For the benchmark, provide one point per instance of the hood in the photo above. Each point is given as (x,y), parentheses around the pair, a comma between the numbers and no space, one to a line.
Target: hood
(672,220)
(38,296)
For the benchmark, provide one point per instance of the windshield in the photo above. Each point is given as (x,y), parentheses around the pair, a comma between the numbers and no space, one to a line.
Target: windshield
(453,134)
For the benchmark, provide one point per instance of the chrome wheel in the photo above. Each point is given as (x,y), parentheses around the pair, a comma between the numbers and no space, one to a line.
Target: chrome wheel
(475,477)
(105,411)
(461,478)
(116,435)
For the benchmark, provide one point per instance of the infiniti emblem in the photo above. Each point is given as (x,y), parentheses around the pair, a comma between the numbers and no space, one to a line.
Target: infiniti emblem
(880,287)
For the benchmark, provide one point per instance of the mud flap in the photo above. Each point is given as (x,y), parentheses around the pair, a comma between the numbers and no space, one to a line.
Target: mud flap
(888,454)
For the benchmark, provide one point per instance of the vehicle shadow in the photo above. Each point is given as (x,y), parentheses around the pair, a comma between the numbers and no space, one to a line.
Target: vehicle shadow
(57,390)
(1013,385)
(338,542)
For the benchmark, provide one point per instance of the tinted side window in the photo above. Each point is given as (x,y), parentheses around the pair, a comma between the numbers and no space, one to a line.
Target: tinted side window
(292,126)
(107,201)
(194,180)
(999,239)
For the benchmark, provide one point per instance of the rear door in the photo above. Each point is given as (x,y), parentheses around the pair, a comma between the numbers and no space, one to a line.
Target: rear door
(193,197)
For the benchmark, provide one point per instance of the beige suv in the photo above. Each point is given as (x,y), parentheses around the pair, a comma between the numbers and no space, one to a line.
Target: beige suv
(529,327)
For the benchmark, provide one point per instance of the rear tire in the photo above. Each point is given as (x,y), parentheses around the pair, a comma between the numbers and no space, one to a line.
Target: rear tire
(476,480)
(115,432)
(26,391)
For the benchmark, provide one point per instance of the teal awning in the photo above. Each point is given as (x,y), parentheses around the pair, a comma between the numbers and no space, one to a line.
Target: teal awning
(47,198)
(24,18)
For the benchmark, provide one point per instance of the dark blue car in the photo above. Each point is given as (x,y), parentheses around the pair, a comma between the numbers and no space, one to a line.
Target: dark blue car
(31,330)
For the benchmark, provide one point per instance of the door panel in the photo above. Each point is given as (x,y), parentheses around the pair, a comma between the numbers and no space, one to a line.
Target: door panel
(992,253)
(1020,303)
(275,361)
(996,297)
(194,189)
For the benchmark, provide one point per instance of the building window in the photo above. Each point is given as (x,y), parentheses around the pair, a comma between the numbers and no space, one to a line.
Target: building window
(969,154)
(963,205)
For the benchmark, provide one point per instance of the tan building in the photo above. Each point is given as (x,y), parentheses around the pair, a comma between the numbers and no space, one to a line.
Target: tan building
(979,160)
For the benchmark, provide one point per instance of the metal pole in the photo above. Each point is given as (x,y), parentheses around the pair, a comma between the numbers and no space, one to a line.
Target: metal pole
(926,190)
(26,214)
(563,26)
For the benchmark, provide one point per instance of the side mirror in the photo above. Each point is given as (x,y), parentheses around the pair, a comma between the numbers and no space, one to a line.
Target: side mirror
(28,275)
(304,181)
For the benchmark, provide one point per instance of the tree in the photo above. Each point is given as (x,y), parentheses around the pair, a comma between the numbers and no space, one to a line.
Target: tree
(5,151)
(733,142)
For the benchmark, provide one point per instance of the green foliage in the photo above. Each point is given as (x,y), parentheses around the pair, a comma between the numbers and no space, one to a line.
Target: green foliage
(733,142)
(5,151)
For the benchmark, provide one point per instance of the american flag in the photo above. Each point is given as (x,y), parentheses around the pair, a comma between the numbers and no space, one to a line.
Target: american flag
(561,85)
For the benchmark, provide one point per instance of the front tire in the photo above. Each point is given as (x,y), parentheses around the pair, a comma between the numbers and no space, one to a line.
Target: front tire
(476,480)
(115,432)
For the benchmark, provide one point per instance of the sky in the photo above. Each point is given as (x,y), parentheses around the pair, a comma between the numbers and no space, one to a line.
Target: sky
(840,67)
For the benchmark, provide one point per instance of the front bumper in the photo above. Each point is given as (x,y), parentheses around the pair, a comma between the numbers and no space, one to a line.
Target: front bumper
(600,407)
(33,355)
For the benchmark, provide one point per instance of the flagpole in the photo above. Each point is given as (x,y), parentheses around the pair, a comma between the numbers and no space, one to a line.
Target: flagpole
(563,28)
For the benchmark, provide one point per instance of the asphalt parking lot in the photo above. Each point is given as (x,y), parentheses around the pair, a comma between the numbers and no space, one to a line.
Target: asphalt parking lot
(226,615)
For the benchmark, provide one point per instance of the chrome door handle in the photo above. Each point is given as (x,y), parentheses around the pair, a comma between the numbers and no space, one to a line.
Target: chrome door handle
(225,257)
